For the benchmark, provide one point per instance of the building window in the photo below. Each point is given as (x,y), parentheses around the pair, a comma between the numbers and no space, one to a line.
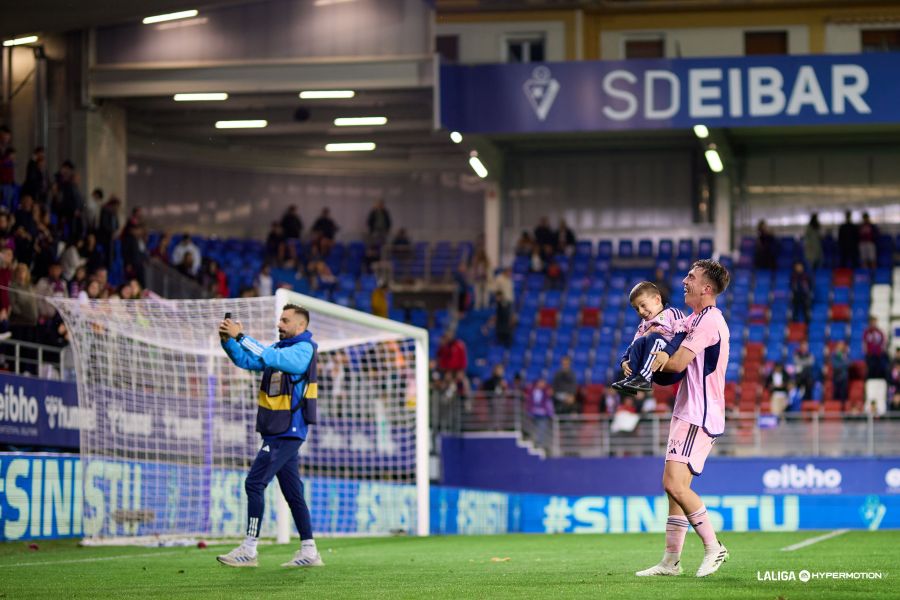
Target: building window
(765,42)
(880,40)
(525,48)
(647,48)
(448,47)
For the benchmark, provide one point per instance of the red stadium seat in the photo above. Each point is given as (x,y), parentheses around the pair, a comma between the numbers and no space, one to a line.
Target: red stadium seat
(809,406)
(758,313)
(797,332)
(842,278)
(548,317)
(590,316)
(840,312)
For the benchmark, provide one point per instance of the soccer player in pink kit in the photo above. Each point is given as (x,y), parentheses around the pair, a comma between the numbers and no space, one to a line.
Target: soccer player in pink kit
(698,418)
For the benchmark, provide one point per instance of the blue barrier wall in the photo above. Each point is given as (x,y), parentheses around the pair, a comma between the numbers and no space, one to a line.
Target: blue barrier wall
(45,496)
(40,412)
(501,464)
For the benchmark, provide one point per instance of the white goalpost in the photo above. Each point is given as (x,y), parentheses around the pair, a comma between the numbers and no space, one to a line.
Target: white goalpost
(172,435)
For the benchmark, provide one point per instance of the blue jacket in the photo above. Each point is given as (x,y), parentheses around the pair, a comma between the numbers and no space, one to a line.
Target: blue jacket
(292,356)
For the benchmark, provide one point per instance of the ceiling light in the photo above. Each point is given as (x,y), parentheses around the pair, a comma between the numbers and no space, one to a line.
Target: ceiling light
(456,137)
(22,40)
(714,160)
(249,124)
(350,147)
(701,131)
(478,166)
(205,97)
(326,94)
(330,2)
(359,121)
(184,14)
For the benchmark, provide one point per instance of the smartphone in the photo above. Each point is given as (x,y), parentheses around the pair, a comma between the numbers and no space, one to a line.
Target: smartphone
(227,316)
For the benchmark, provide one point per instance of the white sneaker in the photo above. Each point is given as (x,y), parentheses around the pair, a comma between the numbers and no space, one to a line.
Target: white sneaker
(712,560)
(239,557)
(305,559)
(662,569)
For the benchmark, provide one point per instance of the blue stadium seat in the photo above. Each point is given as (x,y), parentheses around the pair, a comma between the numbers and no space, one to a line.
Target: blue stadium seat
(665,249)
(626,249)
(705,248)
(645,248)
(604,249)
(838,331)
(685,249)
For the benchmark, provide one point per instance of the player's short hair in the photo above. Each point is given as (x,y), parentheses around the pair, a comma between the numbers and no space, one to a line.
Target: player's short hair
(717,274)
(298,309)
(644,287)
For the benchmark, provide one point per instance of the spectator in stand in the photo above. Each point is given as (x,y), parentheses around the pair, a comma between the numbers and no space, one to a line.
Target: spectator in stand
(463,286)
(497,389)
(805,369)
(92,254)
(665,290)
(187,267)
(812,243)
(503,284)
(525,245)
(24,216)
(401,240)
(215,280)
(544,238)
(777,385)
(321,277)
(161,251)
(291,224)
(480,273)
(848,242)
(539,406)
(108,228)
(101,274)
(504,320)
(23,311)
(45,242)
(894,382)
(379,223)
(263,281)
(565,239)
(70,202)
(54,286)
(840,371)
(7,266)
(451,354)
(324,231)
(184,247)
(556,279)
(77,282)
(765,257)
(36,182)
(868,238)
(875,348)
(92,207)
(565,388)
(537,263)
(794,397)
(71,259)
(90,292)
(801,293)
(134,251)
(380,300)
(276,245)
(6,229)
(8,178)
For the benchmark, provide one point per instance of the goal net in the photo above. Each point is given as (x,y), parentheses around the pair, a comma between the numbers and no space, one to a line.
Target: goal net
(170,436)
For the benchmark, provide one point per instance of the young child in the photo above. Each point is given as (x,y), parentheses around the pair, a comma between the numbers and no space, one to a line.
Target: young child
(659,326)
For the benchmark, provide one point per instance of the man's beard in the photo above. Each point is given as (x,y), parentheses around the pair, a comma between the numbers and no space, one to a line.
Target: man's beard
(282,335)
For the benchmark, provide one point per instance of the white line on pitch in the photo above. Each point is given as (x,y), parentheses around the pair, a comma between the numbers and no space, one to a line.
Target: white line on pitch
(87,560)
(814,540)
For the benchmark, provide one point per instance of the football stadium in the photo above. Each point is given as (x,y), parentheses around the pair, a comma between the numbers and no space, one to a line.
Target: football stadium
(450,299)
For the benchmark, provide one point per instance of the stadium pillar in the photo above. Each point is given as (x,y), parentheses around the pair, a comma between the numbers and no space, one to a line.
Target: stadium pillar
(106,149)
(492,200)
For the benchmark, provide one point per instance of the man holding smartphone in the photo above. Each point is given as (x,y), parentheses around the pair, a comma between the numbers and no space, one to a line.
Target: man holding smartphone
(287,398)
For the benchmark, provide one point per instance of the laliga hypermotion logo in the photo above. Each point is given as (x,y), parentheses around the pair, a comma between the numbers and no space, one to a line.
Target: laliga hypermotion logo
(541,91)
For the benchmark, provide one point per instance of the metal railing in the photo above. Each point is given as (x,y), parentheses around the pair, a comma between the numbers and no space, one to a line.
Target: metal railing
(746,434)
(39,360)
(168,282)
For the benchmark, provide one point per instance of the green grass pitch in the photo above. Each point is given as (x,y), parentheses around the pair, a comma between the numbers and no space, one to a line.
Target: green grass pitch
(538,566)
